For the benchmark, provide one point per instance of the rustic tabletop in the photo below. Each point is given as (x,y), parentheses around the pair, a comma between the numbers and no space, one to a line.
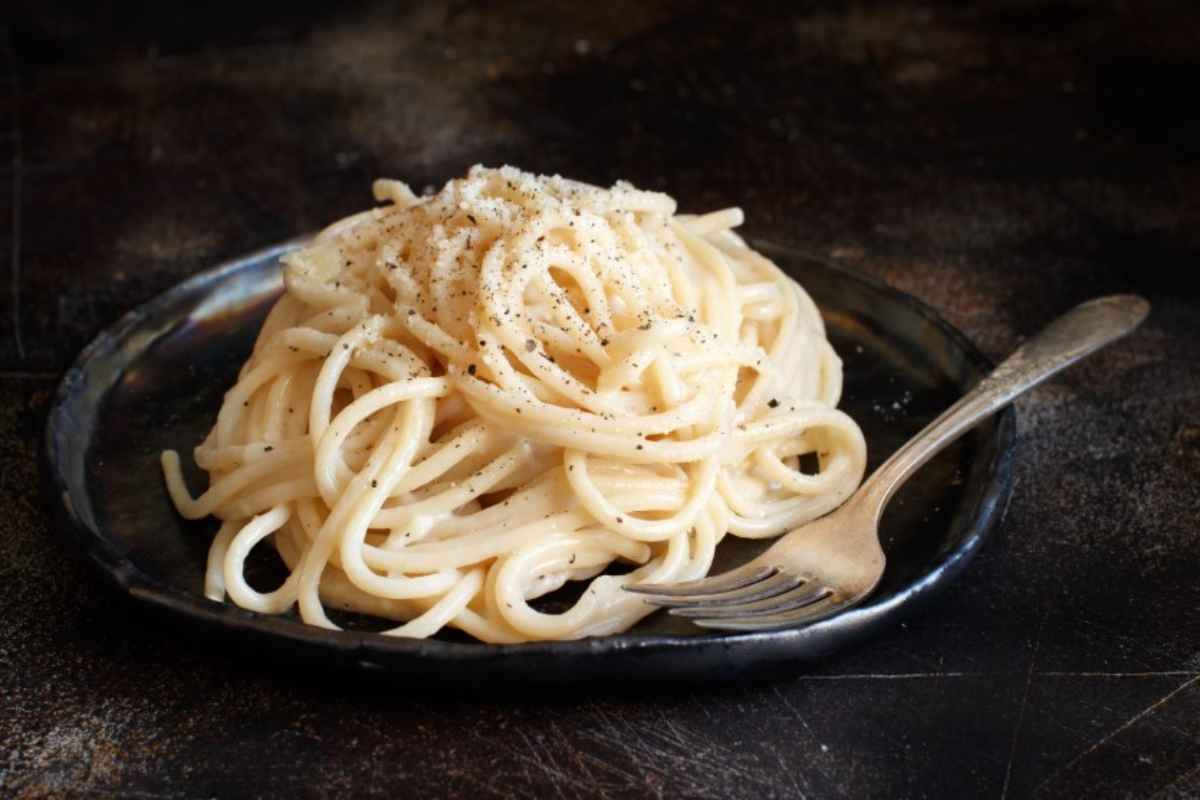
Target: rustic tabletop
(999,160)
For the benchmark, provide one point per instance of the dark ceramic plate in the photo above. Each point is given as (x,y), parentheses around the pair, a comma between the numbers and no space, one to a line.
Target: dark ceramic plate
(155,379)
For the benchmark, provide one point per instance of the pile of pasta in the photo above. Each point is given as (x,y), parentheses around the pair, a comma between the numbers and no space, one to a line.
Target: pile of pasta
(464,401)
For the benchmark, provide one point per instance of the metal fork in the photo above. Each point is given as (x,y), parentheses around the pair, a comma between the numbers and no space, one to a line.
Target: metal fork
(830,564)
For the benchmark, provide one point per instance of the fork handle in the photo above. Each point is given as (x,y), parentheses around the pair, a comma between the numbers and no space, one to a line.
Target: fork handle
(1078,333)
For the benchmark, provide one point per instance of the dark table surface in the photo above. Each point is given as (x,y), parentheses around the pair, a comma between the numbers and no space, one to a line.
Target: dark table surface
(1001,161)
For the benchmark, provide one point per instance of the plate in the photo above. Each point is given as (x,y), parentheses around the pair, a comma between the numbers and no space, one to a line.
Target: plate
(154,380)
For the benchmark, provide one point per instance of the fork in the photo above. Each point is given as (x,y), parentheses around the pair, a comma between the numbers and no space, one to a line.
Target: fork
(830,564)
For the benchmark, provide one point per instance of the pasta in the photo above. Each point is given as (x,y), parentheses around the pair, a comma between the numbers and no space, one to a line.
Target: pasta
(463,402)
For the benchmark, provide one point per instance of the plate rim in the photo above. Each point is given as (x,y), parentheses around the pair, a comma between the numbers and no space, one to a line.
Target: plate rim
(367,648)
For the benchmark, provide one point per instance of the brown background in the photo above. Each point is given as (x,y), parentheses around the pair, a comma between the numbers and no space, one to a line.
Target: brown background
(999,160)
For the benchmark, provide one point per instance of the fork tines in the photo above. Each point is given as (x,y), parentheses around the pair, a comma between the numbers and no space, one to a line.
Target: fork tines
(752,597)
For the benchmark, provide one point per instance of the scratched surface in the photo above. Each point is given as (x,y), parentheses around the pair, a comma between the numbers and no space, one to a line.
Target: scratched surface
(999,160)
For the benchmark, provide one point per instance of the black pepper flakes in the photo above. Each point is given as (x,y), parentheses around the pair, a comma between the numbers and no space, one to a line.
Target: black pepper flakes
(773,403)
(530,345)
(471,369)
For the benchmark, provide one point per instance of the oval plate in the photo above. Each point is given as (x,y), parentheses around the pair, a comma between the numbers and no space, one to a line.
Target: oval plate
(155,380)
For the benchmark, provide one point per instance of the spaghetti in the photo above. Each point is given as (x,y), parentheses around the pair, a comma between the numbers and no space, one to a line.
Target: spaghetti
(463,402)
